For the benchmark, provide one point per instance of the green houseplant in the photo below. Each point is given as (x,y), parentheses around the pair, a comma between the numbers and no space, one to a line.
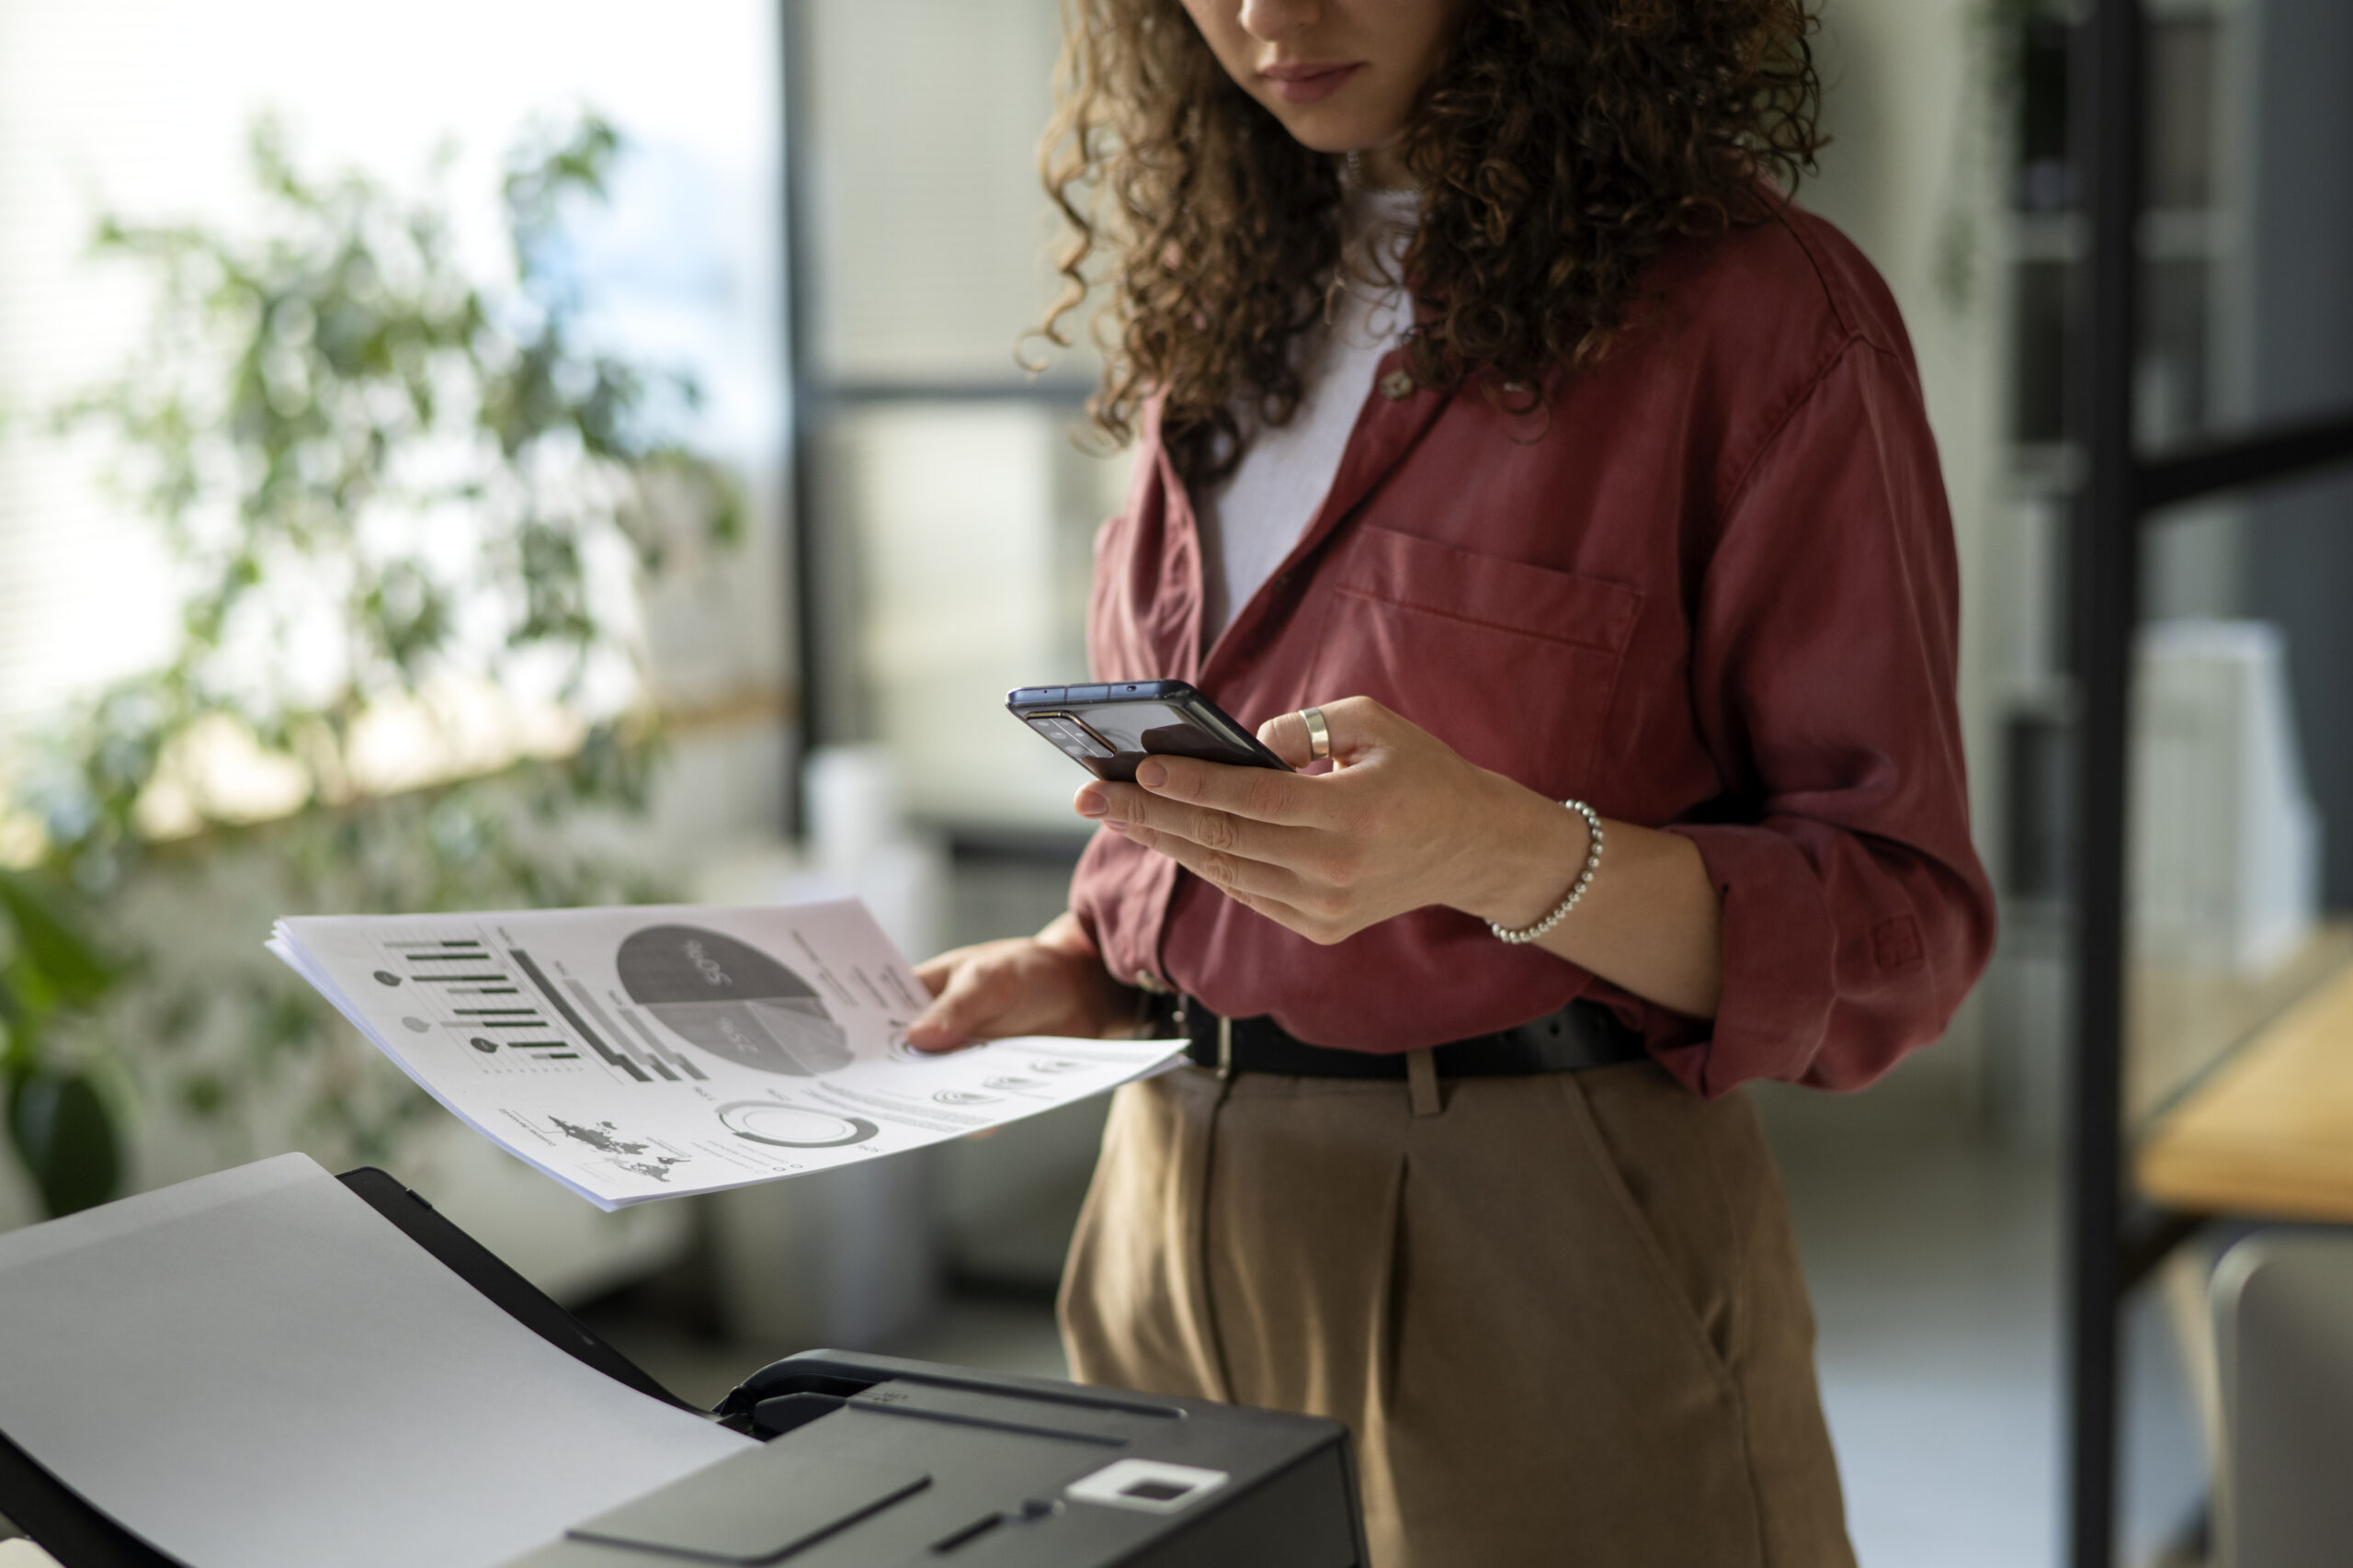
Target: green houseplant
(63,1117)
(407,508)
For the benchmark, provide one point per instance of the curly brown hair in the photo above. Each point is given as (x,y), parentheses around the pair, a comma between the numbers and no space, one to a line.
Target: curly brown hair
(1560,145)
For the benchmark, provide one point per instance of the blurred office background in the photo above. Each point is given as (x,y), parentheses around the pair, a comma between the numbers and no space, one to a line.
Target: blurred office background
(827,215)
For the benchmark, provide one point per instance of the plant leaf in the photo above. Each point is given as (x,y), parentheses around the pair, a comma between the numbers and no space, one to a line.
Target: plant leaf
(69,1137)
(49,943)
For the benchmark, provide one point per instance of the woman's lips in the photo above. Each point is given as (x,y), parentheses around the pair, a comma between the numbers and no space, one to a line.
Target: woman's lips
(1309,84)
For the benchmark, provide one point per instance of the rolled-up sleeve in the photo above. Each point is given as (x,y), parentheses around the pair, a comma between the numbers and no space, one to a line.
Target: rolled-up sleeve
(1855,913)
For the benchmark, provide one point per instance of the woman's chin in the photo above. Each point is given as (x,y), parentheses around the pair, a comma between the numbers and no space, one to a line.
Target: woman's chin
(1325,132)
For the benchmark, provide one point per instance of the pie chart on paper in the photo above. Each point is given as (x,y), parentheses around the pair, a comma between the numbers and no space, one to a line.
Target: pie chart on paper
(793,1127)
(730,999)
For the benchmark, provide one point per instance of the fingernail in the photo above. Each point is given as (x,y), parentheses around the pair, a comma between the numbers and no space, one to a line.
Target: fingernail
(1152,774)
(1090,804)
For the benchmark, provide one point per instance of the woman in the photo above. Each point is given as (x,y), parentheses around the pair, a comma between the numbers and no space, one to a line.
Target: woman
(1559,498)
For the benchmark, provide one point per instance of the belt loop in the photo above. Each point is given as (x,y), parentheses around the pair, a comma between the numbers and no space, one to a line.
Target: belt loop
(1224,1048)
(1421,1082)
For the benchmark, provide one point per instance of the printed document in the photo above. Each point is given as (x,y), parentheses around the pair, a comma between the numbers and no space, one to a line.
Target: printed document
(651,1052)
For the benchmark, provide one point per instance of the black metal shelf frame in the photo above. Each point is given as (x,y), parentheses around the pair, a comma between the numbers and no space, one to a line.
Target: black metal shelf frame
(2112,1243)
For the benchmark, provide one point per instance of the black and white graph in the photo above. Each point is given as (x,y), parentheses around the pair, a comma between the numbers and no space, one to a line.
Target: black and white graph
(512,1011)
(732,1000)
(457,984)
(794,1127)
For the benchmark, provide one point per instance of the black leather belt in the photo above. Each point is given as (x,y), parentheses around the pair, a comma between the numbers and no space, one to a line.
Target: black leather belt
(1581,1035)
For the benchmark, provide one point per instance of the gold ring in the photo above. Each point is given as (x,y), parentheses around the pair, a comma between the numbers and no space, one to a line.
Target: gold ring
(1319,734)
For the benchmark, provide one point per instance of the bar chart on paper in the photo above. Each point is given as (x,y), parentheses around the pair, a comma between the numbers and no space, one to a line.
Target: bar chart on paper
(636,1053)
(507,1009)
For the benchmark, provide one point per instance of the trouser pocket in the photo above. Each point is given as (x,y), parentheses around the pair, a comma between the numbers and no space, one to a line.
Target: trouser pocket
(1653,1144)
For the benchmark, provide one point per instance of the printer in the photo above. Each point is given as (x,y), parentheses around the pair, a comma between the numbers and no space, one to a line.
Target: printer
(861,1461)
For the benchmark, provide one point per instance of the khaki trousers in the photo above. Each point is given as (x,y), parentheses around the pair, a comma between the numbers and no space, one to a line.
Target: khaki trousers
(1562,1314)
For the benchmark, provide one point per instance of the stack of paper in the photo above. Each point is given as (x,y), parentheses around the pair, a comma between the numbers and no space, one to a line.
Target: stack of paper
(650,1051)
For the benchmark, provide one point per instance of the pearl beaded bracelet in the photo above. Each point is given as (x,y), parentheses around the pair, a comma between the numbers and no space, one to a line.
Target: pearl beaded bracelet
(1576,891)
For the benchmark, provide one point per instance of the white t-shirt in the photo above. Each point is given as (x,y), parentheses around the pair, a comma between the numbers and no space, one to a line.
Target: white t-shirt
(1249,523)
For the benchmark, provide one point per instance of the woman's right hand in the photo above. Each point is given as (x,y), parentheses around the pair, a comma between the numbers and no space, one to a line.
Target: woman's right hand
(1054,982)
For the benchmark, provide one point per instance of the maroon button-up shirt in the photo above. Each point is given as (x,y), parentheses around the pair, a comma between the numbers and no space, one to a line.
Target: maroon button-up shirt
(1715,593)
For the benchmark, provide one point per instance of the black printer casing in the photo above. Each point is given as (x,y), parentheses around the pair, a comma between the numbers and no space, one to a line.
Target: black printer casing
(875,1462)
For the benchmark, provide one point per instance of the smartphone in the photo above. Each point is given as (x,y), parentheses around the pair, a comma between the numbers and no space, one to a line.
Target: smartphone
(1108,729)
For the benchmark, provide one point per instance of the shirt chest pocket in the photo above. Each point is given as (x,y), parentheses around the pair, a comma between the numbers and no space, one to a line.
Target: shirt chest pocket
(1515,665)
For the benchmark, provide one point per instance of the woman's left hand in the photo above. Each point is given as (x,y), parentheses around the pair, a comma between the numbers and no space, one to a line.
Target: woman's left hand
(1402,820)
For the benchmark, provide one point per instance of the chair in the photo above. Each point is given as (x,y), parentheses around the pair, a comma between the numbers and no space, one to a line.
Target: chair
(2282,1304)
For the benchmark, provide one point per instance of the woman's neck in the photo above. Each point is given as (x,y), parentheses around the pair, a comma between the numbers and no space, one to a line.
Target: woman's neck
(1381,168)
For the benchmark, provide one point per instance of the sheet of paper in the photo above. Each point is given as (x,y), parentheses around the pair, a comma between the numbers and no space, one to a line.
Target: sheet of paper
(651,1052)
(255,1369)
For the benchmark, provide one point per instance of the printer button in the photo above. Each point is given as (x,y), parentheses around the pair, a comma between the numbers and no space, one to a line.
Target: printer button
(1149,1486)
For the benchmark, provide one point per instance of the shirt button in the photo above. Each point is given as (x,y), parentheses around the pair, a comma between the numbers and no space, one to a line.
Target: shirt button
(1396,384)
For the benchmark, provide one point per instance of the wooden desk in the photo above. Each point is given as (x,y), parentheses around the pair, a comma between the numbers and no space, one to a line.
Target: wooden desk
(2181,1019)
(2269,1133)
